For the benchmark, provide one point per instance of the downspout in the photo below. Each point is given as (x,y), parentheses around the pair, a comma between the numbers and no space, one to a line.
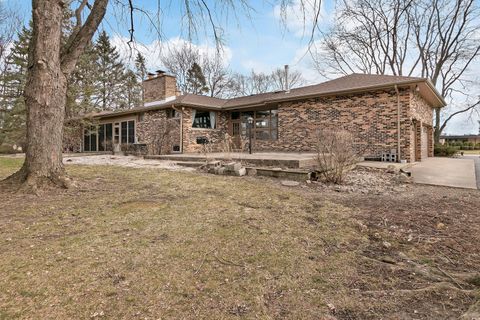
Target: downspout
(181,126)
(398,124)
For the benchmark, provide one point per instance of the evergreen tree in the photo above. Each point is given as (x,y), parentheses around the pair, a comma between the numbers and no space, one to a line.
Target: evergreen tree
(12,104)
(110,74)
(132,92)
(196,82)
(141,71)
(81,85)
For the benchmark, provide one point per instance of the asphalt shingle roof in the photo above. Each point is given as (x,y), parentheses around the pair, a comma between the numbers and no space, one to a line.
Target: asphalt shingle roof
(354,82)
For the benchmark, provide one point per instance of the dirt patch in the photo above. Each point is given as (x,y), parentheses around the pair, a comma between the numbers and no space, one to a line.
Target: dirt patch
(124,161)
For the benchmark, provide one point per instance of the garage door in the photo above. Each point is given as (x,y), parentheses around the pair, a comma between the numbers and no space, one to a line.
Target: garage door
(424,142)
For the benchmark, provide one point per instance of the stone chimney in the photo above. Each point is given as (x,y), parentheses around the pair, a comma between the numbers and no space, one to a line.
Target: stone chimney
(159,86)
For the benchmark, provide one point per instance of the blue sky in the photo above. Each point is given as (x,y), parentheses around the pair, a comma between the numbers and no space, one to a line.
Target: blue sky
(260,42)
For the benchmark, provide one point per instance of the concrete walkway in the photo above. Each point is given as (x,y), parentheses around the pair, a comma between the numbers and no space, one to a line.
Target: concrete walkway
(450,172)
(475,158)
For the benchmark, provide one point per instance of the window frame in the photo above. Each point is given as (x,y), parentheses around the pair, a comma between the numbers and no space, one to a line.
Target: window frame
(207,122)
(258,115)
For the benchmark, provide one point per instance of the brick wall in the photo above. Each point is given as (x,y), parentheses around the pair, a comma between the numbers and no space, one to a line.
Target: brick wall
(159,88)
(157,132)
(216,136)
(371,117)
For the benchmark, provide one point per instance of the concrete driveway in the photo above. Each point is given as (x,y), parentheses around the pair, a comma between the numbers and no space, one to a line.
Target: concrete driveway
(451,172)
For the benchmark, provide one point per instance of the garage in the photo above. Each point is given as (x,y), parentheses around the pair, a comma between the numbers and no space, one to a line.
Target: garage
(424,142)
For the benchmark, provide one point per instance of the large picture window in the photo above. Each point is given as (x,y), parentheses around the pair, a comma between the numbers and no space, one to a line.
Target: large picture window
(265,124)
(204,119)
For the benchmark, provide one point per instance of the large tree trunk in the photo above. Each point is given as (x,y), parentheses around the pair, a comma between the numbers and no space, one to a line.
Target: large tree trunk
(45,96)
(45,93)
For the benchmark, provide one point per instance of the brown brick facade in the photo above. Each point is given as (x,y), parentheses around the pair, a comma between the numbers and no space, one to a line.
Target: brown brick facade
(159,88)
(371,117)
(215,136)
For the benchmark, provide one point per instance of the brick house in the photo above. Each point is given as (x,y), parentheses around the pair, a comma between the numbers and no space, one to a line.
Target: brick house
(385,113)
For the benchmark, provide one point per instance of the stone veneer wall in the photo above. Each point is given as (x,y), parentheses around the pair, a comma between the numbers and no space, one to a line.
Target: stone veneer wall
(153,126)
(371,117)
(215,136)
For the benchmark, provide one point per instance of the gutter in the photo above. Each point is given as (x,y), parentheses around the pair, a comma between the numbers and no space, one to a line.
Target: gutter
(398,124)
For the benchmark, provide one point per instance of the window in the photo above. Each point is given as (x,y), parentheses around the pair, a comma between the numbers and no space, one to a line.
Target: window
(141,117)
(172,113)
(101,137)
(131,132)
(124,131)
(90,139)
(204,119)
(127,130)
(265,124)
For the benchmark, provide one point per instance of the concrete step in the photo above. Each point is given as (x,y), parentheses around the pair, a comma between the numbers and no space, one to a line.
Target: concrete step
(175,158)
(190,164)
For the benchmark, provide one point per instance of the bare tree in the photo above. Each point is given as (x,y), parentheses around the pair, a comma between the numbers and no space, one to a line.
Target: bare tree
(179,59)
(280,76)
(260,82)
(436,39)
(53,58)
(9,24)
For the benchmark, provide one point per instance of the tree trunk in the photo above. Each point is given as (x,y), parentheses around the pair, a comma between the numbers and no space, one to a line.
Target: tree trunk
(49,66)
(45,97)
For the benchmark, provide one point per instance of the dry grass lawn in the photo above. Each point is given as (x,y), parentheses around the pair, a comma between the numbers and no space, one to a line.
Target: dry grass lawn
(153,244)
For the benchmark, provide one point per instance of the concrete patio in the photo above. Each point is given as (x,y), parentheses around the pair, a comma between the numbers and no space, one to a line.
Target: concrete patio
(450,172)
(267,159)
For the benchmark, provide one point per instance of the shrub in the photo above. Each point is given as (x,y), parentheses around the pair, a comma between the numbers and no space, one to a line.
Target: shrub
(335,154)
(444,150)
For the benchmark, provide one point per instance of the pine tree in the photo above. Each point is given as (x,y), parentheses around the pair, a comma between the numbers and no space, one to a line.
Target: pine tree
(12,104)
(110,74)
(196,82)
(132,92)
(81,85)
(141,72)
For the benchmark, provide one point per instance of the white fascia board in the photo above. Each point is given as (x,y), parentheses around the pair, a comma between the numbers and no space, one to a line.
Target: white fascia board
(159,102)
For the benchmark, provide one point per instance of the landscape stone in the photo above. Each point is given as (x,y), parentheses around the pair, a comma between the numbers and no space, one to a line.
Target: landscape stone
(290,183)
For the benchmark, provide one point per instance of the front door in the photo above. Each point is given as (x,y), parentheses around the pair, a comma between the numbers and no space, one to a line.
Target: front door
(239,129)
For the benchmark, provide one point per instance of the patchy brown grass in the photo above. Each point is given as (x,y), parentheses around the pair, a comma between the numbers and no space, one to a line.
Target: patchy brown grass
(149,244)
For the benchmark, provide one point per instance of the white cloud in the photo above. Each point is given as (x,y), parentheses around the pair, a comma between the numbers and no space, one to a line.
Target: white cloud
(153,51)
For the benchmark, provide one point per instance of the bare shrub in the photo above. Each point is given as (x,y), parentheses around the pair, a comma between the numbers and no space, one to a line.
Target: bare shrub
(160,139)
(335,154)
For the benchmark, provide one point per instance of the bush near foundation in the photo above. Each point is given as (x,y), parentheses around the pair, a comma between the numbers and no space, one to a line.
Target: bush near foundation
(335,154)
